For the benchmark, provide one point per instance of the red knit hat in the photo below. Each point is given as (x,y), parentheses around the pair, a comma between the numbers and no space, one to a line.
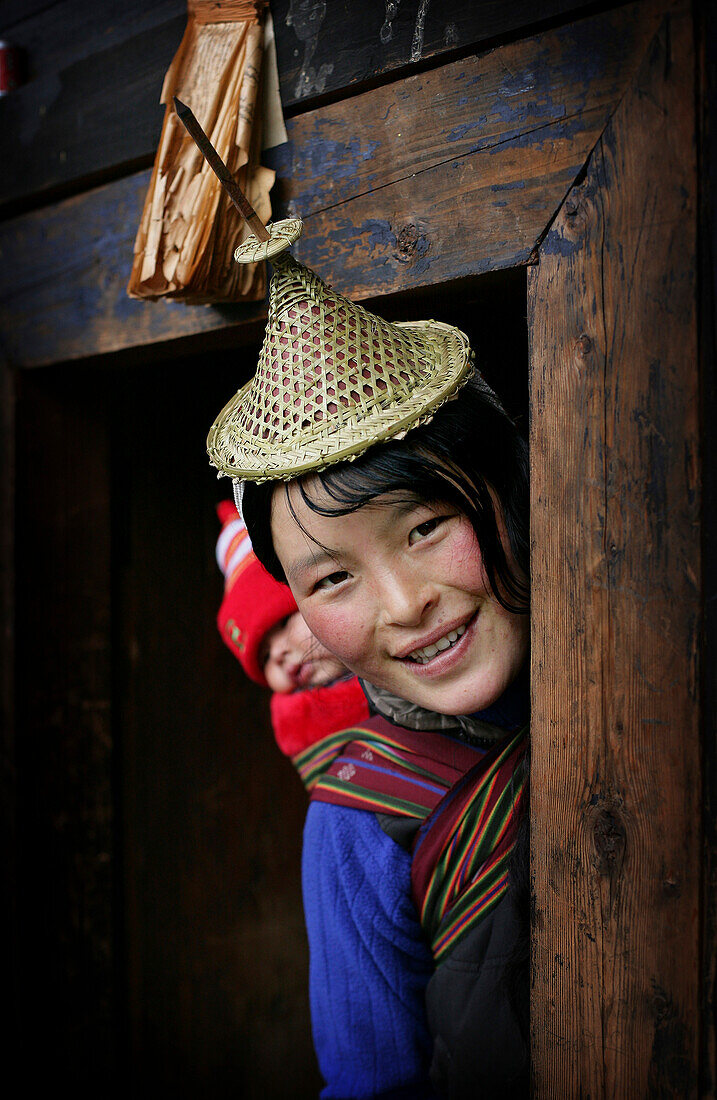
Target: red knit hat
(253,601)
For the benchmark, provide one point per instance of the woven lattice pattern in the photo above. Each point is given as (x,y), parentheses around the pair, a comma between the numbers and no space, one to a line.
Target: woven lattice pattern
(332,380)
(283,234)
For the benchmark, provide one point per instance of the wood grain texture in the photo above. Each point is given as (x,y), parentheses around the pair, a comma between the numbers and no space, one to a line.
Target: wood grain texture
(457,171)
(91,104)
(438,177)
(327,48)
(75,304)
(616,611)
(707,68)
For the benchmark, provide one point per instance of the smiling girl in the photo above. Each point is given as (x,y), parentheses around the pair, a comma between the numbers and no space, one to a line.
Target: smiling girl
(398,589)
(409,562)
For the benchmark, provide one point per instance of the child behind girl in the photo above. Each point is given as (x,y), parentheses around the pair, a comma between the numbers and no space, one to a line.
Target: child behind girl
(313,693)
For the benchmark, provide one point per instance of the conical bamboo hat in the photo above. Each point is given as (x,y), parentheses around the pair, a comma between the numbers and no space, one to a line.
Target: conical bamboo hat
(332,378)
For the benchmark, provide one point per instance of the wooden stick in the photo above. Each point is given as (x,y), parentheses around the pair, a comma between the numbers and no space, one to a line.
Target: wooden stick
(221,171)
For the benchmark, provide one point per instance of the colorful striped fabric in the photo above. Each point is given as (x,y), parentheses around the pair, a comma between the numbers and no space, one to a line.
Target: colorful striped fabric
(462,851)
(467,799)
(381,767)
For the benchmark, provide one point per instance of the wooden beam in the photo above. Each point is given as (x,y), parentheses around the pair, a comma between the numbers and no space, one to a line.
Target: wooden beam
(457,171)
(347,44)
(438,177)
(616,784)
(91,104)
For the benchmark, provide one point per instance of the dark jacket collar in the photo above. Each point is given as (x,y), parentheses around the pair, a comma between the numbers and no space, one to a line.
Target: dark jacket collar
(466,726)
(510,712)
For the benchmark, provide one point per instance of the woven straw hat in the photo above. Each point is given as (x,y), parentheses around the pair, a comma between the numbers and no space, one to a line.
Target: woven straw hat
(332,378)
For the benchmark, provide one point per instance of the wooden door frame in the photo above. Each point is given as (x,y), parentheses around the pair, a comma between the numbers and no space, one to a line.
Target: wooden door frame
(617,605)
(607,221)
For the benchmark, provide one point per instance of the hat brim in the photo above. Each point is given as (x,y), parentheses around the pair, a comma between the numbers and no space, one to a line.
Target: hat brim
(239,454)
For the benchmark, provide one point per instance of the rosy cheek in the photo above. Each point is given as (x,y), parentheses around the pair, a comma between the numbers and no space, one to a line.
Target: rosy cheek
(467,563)
(336,630)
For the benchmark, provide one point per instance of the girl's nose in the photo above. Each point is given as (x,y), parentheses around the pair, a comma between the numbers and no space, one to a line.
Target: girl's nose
(405,599)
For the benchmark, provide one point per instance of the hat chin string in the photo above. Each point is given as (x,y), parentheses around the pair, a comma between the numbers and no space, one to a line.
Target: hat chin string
(238,487)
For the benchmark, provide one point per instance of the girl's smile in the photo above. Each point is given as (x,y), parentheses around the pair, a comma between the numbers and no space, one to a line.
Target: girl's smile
(397,591)
(440,651)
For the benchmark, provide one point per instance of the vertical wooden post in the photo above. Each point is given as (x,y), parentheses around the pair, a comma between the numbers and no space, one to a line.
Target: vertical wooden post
(706,13)
(616,788)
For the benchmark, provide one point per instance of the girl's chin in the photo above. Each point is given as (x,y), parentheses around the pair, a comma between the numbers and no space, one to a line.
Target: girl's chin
(453,699)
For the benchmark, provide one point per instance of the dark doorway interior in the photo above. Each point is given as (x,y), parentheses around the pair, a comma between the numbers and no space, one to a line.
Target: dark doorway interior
(160,940)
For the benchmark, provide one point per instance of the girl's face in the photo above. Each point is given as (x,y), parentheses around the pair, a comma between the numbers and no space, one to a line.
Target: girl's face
(292,658)
(398,592)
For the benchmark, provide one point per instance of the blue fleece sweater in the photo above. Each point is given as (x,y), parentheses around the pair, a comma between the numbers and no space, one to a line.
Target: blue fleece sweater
(369,961)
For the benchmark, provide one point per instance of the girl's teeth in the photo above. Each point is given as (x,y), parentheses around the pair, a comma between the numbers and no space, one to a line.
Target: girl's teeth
(422,656)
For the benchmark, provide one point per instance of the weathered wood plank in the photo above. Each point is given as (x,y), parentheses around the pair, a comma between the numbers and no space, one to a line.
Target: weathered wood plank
(616,606)
(459,170)
(91,104)
(461,176)
(475,105)
(57,34)
(66,296)
(324,48)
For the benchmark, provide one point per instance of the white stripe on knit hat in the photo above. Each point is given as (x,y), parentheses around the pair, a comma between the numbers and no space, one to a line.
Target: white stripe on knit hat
(232,530)
(242,550)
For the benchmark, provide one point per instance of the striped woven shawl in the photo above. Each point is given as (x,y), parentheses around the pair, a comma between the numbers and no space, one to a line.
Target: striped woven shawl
(468,801)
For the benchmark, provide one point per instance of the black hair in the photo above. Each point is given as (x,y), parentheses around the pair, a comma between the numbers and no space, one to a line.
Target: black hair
(469,450)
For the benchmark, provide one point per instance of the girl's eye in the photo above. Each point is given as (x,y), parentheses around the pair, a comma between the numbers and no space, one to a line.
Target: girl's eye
(425,529)
(333,579)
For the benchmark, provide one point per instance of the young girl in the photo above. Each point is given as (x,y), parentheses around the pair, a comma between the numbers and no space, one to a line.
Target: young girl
(313,693)
(409,562)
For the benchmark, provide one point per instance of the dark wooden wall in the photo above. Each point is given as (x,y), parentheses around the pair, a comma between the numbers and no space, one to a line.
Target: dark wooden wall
(151,829)
(449,172)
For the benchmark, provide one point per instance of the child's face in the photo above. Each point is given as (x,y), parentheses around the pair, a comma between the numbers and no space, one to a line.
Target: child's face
(402,599)
(292,658)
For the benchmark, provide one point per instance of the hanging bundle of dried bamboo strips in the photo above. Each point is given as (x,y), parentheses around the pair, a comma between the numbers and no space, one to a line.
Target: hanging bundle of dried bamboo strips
(189,228)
